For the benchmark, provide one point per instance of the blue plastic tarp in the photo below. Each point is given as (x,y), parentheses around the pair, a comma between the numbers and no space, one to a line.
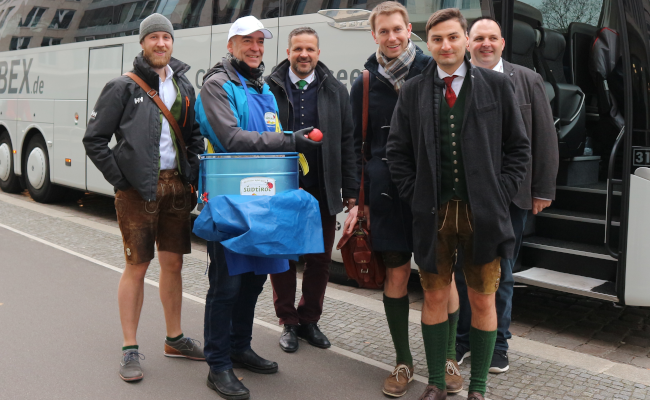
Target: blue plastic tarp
(283,227)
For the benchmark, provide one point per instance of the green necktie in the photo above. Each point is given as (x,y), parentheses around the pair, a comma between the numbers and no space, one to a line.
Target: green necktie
(301,84)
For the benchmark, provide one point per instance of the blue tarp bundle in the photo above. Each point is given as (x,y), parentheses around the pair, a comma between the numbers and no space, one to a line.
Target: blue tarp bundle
(269,229)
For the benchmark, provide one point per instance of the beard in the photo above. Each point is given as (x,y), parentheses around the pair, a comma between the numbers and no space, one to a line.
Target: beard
(156,61)
(304,70)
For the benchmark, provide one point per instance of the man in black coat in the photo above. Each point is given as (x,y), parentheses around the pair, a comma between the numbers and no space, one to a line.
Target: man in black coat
(536,191)
(458,151)
(397,60)
(309,96)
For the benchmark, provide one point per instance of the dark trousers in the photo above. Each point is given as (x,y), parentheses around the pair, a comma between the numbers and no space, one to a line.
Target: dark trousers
(503,294)
(314,278)
(229,310)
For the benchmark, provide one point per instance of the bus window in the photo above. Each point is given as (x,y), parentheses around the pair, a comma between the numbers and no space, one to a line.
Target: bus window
(45,22)
(419,10)
(227,11)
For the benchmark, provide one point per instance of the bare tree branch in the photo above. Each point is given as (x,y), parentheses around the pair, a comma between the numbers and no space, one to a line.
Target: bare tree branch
(558,14)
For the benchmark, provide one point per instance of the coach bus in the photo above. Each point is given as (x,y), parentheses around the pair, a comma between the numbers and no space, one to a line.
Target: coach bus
(56,56)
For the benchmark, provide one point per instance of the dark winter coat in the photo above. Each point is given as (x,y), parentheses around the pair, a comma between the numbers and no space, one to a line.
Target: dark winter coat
(495,152)
(538,120)
(135,159)
(335,121)
(390,217)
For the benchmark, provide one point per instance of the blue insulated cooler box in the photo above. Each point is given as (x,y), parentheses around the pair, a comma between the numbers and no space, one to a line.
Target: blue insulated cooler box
(254,174)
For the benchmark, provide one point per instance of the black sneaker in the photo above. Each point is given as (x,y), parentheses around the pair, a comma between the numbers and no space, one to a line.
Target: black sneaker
(500,363)
(462,353)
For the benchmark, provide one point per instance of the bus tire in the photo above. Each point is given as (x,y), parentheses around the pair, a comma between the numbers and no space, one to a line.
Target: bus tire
(9,181)
(339,276)
(37,173)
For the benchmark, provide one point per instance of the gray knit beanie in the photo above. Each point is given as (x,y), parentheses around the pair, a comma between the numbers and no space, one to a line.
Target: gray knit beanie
(155,23)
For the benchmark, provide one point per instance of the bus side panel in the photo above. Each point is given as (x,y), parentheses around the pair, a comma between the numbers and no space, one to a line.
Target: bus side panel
(58,74)
(68,157)
(637,273)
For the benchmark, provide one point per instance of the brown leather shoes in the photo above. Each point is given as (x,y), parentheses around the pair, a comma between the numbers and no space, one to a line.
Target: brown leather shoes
(452,377)
(396,385)
(475,396)
(433,393)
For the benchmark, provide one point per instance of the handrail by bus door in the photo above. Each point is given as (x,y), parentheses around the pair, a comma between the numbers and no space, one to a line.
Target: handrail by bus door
(610,195)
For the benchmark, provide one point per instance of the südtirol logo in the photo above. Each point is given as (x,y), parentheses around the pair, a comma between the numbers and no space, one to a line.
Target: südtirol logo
(270,119)
(257,186)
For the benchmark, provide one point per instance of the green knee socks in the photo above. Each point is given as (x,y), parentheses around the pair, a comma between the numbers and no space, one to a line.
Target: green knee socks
(481,345)
(397,315)
(451,343)
(435,338)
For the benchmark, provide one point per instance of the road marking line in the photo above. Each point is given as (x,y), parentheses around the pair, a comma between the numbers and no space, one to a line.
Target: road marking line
(199,300)
(519,344)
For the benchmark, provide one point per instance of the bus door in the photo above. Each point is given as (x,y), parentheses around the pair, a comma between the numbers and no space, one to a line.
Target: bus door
(633,148)
(104,64)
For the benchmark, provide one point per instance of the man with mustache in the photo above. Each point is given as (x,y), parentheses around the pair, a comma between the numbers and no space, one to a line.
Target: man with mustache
(238,113)
(308,95)
(458,151)
(154,180)
(536,191)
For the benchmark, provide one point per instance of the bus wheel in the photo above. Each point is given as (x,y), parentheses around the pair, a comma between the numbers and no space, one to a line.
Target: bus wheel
(37,171)
(9,182)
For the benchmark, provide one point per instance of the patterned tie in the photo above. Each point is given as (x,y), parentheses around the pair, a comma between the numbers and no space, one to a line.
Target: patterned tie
(301,84)
(450,96)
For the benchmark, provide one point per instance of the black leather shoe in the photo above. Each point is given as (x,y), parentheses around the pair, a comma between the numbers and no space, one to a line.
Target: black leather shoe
(254,363)
(227,385)
(289,339)
(312,334)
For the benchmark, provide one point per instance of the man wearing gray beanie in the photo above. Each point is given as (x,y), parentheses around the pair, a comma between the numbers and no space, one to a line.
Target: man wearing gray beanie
(154,184)
(155,23)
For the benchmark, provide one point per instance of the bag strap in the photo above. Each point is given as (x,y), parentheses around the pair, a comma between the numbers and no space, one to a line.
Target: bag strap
(153,95)
(364,129)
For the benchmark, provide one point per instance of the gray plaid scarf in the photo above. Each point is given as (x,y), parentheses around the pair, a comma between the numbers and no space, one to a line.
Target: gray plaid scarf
(398,68)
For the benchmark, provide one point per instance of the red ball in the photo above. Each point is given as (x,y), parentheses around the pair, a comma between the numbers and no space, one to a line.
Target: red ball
(316,135)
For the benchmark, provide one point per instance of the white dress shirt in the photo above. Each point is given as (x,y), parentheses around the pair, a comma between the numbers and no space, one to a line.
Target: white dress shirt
(457,83)
(167,93)
(295,78)
(383,73)
(499,66)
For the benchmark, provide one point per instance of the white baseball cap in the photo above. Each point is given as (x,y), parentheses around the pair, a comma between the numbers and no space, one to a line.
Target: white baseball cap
(247,25)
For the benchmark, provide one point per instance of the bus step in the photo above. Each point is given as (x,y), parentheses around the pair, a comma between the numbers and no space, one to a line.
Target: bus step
(561,246)
(574,226)
(590,199)
(568,283)
(591,218)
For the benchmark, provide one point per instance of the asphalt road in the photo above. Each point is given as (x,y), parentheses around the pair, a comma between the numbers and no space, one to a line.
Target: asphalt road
(61,339)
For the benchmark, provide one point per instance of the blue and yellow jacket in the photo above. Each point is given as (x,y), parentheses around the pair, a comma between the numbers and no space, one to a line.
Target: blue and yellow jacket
(222,113)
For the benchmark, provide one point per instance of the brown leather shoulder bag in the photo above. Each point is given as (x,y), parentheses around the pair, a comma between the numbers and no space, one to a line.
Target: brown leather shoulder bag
(361,263)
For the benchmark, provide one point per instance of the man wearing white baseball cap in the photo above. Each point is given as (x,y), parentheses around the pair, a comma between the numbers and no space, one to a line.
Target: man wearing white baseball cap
(238,113)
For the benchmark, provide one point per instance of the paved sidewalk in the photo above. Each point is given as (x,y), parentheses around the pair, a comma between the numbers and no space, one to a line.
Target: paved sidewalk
(363,330)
